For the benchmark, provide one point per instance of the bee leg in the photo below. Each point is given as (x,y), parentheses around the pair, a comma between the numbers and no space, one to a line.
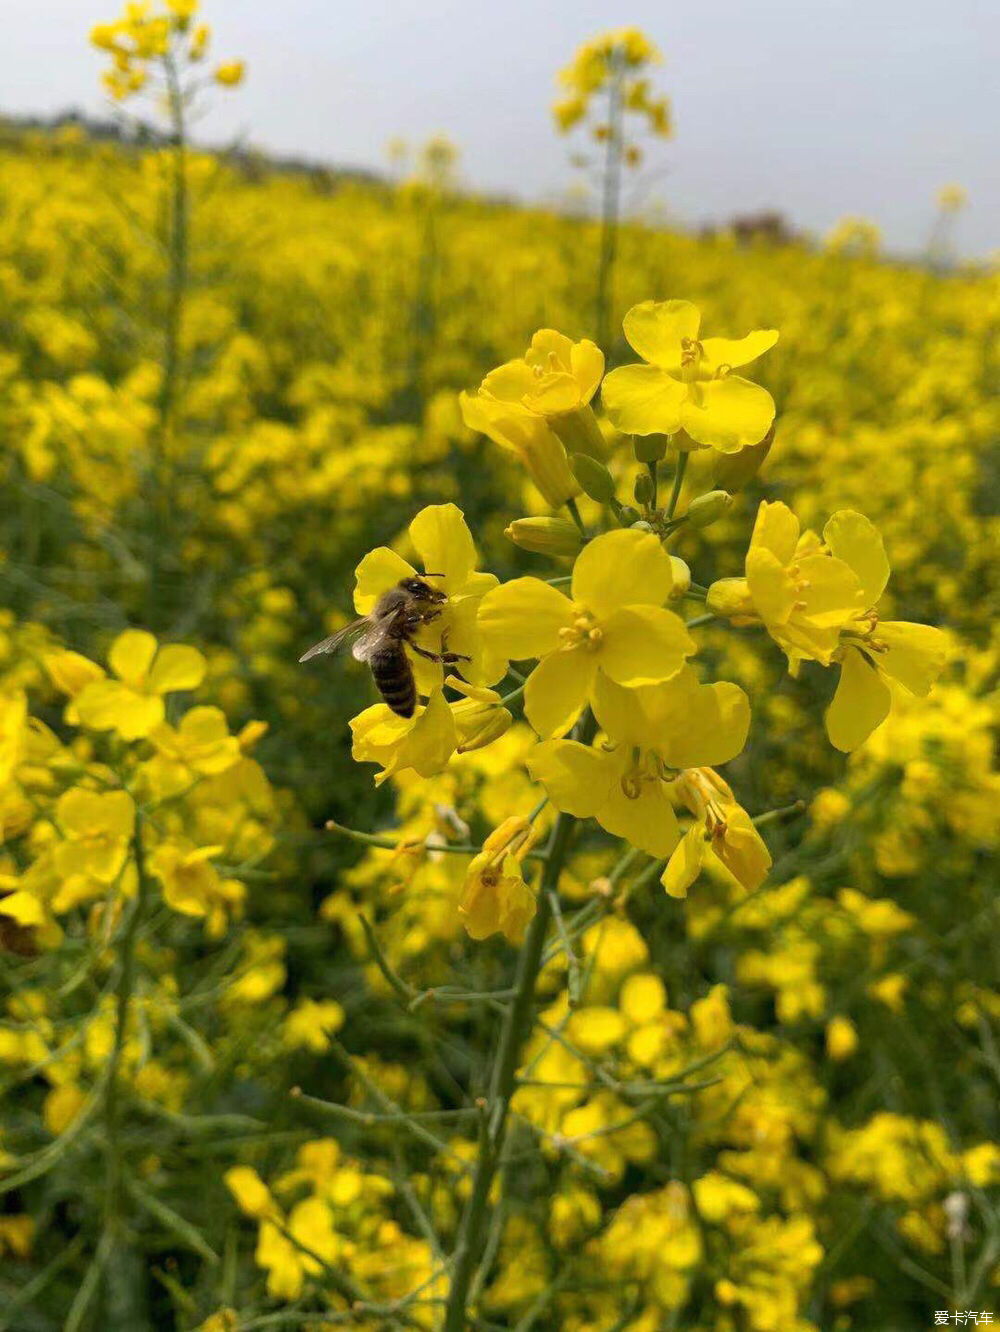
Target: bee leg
(445,658)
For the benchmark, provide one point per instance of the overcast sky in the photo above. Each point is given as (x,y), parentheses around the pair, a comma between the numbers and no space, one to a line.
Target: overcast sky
(819,108)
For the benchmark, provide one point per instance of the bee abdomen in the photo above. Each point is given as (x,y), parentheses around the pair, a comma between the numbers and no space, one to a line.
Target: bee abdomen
(393,677)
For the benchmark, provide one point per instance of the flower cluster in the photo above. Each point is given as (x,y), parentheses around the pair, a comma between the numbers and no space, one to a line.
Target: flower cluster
(615,63)
(148,38)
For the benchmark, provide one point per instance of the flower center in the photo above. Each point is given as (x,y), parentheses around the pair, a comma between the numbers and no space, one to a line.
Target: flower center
(583,631)
(691,357)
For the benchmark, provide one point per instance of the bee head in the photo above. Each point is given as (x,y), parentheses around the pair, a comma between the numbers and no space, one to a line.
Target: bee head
(418,588)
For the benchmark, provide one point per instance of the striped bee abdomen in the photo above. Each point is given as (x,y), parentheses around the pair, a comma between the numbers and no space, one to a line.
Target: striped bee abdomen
(393,677)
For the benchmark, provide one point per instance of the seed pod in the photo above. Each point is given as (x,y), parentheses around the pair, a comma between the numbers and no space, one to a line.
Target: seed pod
(594,478)
(708,508)
(643,489)
(545,536)
(734,471)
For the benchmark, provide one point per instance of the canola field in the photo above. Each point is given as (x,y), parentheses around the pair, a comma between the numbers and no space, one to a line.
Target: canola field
(316,1016)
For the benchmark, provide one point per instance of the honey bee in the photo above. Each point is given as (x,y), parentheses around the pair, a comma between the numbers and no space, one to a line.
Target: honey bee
(381,638)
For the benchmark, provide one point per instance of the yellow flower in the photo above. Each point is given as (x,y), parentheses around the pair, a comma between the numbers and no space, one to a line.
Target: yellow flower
(231,73)
(527,436)
(250,1192)
(132,705)
(556,378)
(442,540)
(613,623)
(193,886)
(97,828)
(424,742)
(803,595)
(626,785)
(724,833)
(495,898)
(841,1038)
(910,655)
(687,384)
(310,1023)
(200,746)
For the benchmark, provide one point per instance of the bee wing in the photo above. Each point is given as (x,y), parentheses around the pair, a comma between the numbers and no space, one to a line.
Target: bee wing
(350,634)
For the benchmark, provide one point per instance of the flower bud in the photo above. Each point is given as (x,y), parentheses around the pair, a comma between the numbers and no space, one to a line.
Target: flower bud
(729,597)
(643,490)
(709,508)
(682,577)
(545,536)
(628,516)
(482,728)
(734,471)
(594,478)
(650,448)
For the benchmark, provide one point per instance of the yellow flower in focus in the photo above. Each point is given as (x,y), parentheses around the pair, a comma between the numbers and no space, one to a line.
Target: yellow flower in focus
(687,383)
(654,731)
(529,437)
(803,594)
(873,650)
(424,742)
(495,898)
(724,833)
(444,543)
(556,378)
(231,74)
(132,704)
(613,623)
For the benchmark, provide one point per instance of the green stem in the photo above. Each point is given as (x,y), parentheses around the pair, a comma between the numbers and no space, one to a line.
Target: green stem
(574,510)
(610,204)
(114,1174)
(502,1085)
(654,477)
(675,494)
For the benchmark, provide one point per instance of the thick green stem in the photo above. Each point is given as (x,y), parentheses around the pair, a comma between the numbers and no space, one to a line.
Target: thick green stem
(502,1085)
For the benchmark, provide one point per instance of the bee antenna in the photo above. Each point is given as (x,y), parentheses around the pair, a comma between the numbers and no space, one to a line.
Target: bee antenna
(433,575)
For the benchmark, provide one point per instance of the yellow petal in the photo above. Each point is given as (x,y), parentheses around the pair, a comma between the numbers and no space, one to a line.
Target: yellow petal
(431,740)
(856,541)
(742,850)
(646,820)
(685,863)
(557,690)
(718,352)
(727,414)
(70,672)
(776,529)
(695,725)
(109,705)
(829,591)
(643,400)
(131,655)
(621,712)
(916,656)
(655,329)
(22,907)
(380,569)
(621,568)
(522,618)
(771,586)
(510,382)
(860,704)
(576,778)
(587,364)
(177,666)
(445,544)
(643,644)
